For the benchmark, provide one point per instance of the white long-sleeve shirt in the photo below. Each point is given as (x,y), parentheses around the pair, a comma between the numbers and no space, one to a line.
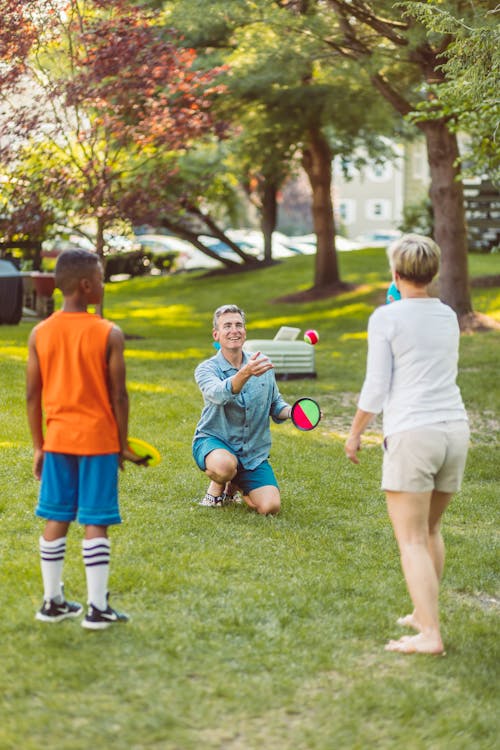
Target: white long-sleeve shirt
(412,365)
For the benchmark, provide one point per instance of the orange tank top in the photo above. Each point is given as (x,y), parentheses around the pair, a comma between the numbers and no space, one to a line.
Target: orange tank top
(71,349)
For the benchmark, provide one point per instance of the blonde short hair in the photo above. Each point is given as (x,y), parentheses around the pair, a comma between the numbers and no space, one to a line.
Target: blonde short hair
(415,258)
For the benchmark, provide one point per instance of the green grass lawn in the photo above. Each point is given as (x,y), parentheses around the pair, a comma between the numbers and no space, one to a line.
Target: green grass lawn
(249,632)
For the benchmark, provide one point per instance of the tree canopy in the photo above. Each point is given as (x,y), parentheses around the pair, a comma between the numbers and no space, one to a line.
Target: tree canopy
(97,109)
(286,101)
(468,96)
(405,64)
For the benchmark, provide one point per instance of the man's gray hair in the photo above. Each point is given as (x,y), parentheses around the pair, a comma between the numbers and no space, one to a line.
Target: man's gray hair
(227,309)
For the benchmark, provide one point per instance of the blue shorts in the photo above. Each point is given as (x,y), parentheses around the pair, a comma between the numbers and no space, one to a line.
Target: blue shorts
(246,479)
(79,487)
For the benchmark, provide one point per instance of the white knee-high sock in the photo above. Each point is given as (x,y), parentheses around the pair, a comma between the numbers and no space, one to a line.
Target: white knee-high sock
(51,563)
(96,556)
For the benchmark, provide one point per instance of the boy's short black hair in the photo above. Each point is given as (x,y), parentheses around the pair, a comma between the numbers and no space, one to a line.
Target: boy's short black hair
(73,265)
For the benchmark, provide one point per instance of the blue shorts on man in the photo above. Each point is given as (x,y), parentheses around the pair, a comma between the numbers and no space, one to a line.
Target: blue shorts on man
(246,479)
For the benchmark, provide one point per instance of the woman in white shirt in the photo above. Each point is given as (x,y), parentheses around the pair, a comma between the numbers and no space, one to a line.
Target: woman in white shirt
(411,377)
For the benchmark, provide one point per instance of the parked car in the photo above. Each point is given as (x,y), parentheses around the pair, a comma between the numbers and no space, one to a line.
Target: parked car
(252,242)
(379,238)
(185,257)
(54,247)
(220,248)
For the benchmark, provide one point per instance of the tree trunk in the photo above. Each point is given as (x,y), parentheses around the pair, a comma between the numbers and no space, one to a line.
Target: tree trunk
(446,193)
(216,232)
(99,240)
(192,237)
(269,216)
(317,162)
(37,256)
(99,244)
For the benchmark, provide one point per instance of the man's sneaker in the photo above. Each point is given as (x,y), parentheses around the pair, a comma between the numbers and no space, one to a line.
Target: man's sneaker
(211,501)
(97,619)
(52,611)
(232,498)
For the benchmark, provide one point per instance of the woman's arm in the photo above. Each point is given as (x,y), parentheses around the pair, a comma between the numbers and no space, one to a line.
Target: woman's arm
(353,443)
(379,366)
(376,386)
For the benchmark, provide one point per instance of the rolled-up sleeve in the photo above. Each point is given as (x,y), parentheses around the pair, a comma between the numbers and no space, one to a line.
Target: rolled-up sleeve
(379,367)
(278,403)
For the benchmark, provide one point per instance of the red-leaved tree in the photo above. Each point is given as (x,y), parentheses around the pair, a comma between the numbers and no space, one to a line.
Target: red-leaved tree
(98,103)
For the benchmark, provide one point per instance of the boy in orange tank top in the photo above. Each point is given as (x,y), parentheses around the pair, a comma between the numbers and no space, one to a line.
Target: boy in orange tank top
(76,369)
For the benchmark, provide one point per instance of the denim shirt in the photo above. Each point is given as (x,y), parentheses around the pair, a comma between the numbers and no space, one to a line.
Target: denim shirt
(239,419)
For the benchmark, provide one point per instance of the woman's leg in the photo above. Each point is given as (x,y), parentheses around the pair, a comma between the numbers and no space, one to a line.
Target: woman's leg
(410,513)
(439,503)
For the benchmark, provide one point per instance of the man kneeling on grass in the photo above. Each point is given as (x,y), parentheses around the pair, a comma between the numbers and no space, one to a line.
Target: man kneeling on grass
(233,438)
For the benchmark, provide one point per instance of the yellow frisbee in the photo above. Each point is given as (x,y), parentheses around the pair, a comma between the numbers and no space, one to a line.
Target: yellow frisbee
(149,454)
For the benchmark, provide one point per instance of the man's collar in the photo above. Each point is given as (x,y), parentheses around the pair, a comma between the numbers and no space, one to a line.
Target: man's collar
(225,365)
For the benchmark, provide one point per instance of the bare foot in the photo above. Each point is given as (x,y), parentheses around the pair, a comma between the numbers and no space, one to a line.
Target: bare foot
(417,644)
(409,621)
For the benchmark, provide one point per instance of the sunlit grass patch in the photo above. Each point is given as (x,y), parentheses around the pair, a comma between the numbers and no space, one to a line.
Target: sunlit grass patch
(155,355)
(359,336)
(14,352)
(134,387)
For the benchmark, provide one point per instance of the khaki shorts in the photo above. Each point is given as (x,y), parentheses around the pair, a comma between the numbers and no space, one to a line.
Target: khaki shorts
(426,458)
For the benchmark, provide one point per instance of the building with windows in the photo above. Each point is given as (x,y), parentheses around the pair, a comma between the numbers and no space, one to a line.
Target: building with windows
(369,200)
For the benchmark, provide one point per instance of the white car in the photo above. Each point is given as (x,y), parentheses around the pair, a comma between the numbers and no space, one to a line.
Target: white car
(306,244)
(189,258)
(380,238)
(161,243)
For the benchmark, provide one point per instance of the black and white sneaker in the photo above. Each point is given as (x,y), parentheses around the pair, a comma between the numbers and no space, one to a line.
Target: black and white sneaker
(211,501)
(231,498)
(97,619)
(53,611)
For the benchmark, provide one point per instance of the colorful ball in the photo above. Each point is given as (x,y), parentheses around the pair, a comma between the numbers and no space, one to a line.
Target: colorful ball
(311,337)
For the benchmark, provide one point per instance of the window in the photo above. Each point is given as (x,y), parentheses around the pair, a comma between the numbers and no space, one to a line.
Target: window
(347,168)
(420,167)
(347,211)
(380,172)
(379,209)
